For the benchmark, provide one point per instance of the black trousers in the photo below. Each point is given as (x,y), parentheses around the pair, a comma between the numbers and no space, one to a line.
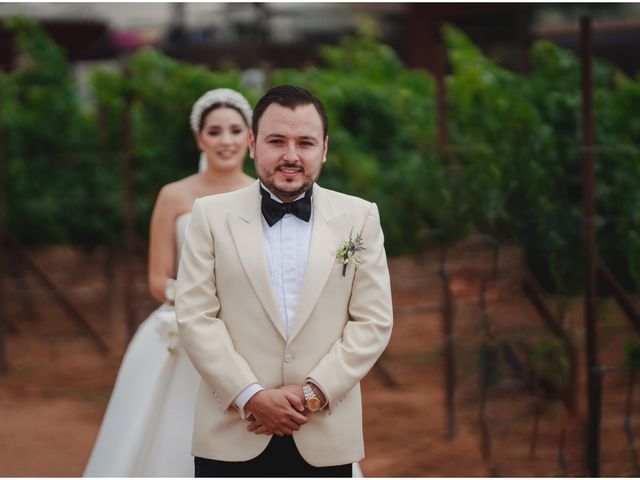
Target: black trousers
(280,459)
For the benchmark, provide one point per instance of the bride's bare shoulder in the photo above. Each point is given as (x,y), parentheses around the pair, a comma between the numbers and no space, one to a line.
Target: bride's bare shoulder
(178,194)
(180,188)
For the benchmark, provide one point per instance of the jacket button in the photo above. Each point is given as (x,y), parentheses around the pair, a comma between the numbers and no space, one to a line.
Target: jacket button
(288,357)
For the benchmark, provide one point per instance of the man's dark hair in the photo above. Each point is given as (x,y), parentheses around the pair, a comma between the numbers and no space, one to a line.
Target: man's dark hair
(291,97)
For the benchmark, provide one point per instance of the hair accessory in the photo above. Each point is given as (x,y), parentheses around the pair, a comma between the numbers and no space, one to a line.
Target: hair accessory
(224,96)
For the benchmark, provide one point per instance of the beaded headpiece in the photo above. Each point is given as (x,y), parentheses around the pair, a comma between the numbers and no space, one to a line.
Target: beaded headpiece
(225,96)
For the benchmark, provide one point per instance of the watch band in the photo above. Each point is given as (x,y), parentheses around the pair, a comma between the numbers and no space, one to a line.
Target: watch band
(311,400)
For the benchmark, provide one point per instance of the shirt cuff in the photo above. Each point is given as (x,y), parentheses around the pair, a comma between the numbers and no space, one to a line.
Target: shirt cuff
(326,399)
(245,395)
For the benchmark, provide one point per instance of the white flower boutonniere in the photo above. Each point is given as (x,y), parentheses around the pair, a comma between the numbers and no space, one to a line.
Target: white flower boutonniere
(349,251)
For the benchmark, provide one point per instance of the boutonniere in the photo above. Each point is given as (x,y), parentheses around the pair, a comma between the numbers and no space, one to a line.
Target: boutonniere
(349,251)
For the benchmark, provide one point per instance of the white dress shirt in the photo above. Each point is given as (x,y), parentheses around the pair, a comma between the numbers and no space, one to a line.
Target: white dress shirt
(287,248)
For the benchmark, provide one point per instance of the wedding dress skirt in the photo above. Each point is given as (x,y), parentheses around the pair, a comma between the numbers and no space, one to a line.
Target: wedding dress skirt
(148,424)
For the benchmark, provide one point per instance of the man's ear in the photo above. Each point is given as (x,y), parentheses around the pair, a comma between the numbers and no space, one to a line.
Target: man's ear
(325,149)
(252,144)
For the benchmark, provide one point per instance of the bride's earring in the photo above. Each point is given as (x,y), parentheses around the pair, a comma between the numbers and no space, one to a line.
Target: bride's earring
(203,164)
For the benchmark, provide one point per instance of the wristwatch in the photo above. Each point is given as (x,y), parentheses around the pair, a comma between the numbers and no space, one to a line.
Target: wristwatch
(311,400)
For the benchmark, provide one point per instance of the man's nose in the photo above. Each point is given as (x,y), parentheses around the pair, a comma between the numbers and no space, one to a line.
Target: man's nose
(291,153)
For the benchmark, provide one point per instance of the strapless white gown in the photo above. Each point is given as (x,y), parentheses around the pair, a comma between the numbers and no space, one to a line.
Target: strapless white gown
(147,427)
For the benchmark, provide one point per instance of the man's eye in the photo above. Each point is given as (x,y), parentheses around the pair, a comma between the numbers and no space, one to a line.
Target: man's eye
(275,141)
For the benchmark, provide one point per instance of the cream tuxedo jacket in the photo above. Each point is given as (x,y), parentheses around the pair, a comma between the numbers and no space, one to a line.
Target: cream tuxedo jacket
(230,325)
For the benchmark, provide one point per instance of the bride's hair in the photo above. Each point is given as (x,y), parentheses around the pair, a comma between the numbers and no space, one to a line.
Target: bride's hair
(220,97)
(206,112)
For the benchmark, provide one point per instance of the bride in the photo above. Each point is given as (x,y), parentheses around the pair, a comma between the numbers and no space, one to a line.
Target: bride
(147,427)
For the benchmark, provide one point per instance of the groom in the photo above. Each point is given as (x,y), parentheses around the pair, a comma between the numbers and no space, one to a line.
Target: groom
(283,305)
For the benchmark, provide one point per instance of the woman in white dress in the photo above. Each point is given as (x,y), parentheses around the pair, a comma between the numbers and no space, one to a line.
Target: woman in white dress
(147,427)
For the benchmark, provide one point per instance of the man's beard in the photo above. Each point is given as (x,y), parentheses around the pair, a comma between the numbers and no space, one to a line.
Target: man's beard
(288,194)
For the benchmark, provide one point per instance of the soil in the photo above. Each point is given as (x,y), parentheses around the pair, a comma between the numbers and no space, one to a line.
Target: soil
(54,395)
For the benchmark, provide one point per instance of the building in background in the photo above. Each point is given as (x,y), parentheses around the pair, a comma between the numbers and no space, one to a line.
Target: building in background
(272,35)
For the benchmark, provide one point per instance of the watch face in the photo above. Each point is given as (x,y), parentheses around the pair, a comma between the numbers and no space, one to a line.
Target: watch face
(313,404)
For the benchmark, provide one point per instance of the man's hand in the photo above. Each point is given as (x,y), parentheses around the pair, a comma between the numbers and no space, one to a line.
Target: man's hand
(296,390)
(275,411)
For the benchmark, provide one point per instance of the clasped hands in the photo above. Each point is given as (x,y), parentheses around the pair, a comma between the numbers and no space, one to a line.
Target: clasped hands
(279,411)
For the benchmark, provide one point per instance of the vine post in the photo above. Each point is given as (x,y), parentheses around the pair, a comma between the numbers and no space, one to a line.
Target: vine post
(447,307)
(4,366)
(129,216)
(594,380)
(448,316)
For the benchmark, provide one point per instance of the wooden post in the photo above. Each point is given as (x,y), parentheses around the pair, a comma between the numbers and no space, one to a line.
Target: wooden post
(447,306)
(449,348)
(129,217)
(594,380)
(4,365)
(112,298)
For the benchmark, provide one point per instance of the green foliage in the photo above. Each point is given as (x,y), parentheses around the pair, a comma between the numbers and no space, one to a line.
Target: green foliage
(513,170)
(493,127)
(519,142)
(50,145)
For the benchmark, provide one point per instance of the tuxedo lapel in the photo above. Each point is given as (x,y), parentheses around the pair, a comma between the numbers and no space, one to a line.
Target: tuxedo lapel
(246,230)
(329,226)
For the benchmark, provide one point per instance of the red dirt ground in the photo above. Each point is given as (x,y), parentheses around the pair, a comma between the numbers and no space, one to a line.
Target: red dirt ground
(53,398)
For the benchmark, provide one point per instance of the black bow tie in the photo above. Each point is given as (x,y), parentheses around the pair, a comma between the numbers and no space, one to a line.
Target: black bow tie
(273,211)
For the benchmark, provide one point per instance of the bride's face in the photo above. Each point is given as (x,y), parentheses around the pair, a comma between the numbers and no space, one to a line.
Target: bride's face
(223,138)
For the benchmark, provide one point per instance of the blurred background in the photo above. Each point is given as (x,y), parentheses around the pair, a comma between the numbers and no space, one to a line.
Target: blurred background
(515,347)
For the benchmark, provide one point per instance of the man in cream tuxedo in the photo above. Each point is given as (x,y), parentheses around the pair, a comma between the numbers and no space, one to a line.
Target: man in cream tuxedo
(279,319)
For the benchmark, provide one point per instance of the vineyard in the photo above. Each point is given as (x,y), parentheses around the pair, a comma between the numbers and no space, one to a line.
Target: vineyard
(486,233)
(59,382)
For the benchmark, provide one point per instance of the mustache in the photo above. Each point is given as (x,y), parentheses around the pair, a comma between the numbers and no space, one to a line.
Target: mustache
(290,165)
